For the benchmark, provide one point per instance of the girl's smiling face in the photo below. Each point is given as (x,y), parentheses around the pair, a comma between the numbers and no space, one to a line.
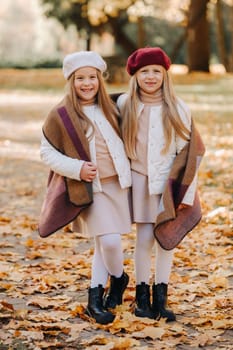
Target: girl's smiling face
(150,78)
(86,83)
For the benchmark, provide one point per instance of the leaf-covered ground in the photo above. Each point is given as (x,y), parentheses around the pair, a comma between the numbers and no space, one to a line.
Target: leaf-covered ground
(44,282)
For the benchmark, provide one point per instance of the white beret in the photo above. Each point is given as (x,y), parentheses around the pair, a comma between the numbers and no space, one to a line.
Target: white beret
(80,59)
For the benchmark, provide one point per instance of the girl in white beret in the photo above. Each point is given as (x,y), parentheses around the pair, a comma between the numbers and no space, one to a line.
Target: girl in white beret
(156,126)
(90,111)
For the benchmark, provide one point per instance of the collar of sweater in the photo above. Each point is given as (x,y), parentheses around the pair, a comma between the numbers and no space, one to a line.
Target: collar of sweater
(151,99)
(85,103)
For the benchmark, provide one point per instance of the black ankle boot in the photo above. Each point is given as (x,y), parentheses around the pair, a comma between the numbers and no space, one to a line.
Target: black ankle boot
(159,303)
(143,306)
(95,307)
(116,290)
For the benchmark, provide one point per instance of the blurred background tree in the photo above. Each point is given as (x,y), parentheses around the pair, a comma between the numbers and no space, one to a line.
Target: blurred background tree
(193,32)
(29,39)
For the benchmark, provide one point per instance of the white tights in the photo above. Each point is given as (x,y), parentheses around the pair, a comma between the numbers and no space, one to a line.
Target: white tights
(163,258)
(108,259)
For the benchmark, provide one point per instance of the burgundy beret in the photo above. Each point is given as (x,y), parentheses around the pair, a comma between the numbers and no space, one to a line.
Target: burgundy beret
(146,56)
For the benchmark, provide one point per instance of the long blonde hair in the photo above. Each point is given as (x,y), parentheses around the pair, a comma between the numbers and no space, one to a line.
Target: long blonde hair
(102,99)
(170,116)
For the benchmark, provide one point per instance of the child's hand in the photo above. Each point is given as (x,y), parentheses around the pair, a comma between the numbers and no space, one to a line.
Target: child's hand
(182,206)
(88,171)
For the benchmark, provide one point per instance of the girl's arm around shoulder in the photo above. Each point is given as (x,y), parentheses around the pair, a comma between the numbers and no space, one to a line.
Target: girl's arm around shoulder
(58,162)
(121,101)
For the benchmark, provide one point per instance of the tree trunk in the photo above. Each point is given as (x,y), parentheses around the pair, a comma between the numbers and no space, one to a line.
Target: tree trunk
(120,37)
(198,36)
(141,32)
(231,36)
(221,36)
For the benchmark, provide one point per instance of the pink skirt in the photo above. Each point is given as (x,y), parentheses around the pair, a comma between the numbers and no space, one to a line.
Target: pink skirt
(109,212)
(144,206)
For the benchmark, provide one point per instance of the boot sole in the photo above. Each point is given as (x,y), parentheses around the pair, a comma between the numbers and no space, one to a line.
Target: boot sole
(141,314)
(168,319)
(99,320)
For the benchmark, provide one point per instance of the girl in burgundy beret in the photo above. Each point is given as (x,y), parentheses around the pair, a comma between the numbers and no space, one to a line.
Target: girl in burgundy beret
(155,126)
